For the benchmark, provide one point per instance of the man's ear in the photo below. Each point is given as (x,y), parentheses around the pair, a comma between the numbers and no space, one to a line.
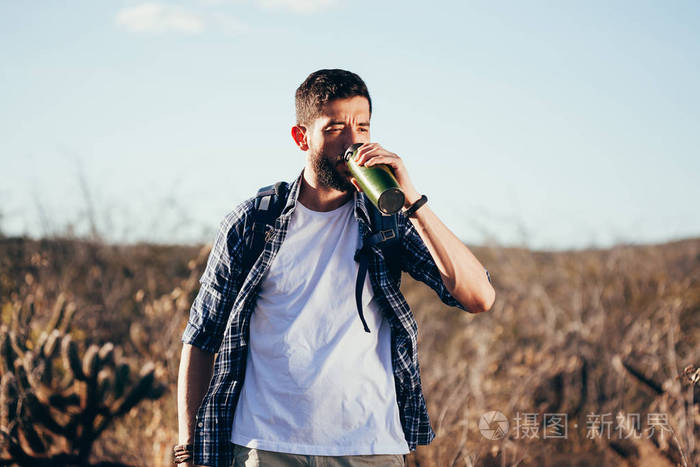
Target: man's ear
(299,136)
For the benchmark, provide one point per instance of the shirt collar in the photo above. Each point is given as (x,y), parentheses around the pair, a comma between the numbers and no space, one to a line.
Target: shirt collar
(294,189)
(361,213)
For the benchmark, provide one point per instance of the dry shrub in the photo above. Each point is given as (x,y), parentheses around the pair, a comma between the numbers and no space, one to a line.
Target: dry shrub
(579,333)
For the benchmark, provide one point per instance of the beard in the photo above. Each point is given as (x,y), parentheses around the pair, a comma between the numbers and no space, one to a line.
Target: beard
(328,176)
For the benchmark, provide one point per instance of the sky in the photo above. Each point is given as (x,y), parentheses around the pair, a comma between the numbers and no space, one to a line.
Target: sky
(549,125)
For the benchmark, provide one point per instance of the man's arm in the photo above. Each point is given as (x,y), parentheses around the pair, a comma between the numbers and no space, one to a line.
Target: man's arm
(462,274)
(205,327)
(196,368)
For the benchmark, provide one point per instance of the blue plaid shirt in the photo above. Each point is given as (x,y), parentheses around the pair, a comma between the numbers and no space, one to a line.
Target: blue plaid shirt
(220,318)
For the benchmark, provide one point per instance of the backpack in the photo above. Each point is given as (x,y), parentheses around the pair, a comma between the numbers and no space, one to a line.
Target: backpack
(385,235)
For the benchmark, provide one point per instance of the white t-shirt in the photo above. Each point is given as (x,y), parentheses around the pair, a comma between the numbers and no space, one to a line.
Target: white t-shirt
(316,383)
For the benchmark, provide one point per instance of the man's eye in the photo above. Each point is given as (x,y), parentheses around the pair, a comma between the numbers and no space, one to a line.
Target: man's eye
(364,130)
(334,130)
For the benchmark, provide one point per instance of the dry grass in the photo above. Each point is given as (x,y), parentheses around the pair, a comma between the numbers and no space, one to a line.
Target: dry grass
(576,333)
(579,333)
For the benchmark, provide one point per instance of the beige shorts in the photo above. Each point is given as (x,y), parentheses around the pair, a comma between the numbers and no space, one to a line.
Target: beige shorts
(251,457)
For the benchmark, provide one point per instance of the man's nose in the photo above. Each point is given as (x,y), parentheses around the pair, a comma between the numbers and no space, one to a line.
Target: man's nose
(356,136)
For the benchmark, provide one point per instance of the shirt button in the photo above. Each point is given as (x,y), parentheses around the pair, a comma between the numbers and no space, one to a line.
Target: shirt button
(200,424)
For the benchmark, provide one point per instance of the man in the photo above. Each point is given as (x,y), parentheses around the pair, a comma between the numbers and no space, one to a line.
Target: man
(297,380)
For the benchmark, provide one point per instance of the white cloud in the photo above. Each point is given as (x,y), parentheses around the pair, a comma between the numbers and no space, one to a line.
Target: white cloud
(154,17)
(229,24)
(298,6)
(222,2)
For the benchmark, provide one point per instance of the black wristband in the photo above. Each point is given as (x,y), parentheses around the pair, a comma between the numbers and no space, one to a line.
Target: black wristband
(415,206)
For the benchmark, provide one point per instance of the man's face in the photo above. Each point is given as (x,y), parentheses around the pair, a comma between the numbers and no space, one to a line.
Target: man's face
(342,122)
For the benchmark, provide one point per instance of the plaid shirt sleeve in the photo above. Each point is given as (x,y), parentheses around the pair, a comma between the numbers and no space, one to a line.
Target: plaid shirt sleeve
(219,285)
(417,261)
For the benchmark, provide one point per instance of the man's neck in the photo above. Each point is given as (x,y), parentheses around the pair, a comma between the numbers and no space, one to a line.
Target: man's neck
(319,198)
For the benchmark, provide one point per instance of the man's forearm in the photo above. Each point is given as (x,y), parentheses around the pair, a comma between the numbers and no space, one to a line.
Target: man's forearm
(196,367)
(462,274)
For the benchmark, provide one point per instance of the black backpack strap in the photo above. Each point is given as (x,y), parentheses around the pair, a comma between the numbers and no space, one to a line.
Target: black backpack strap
(363,259)
(386,236)
(269,202)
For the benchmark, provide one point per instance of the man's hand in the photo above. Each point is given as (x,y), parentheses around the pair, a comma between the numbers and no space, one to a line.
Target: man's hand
(371,154)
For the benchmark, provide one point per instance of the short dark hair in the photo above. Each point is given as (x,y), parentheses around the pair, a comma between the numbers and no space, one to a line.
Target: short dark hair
(323,86)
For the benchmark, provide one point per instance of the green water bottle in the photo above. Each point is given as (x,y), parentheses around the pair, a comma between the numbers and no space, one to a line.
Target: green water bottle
(377,182)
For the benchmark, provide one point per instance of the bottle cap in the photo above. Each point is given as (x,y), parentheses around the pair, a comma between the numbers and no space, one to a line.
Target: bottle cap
(349,152)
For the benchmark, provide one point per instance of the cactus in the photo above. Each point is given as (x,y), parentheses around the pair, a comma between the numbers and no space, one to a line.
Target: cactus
(56,401)
(8,399)
(71,360)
